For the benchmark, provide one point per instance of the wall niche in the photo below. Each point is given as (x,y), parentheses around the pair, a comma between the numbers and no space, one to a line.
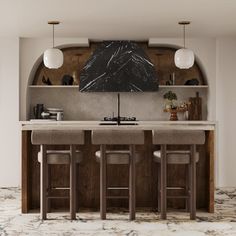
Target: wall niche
(76,57)
(96,105)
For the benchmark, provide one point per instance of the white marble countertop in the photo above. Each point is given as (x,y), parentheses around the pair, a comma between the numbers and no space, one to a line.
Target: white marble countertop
(94,125)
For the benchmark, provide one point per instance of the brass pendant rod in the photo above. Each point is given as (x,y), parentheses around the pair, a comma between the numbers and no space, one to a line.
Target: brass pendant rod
(184,36)
(184,23)
(53,23)
(53,35)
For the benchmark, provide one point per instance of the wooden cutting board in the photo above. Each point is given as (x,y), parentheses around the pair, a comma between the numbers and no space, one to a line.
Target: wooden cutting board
(195,108)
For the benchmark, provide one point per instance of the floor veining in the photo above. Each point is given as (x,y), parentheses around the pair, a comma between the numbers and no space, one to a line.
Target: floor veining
(222,222)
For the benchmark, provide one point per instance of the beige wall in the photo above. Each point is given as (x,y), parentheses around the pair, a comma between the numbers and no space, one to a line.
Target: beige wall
(9,112)
(95,106)
(226,110)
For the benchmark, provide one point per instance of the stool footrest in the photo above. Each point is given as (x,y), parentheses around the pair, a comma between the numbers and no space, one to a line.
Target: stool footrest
(178,197)
(118,188)
(60,188)
(117,197)
(175,188)
(58,197)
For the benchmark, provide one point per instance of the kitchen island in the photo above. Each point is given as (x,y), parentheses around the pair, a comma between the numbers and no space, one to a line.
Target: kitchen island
(146,170)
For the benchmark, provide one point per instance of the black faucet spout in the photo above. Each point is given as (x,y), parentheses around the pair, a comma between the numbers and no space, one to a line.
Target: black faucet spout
(118,109)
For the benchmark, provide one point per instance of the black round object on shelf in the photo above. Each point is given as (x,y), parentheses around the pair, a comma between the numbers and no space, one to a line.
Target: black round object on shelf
(67,80)
(192,82)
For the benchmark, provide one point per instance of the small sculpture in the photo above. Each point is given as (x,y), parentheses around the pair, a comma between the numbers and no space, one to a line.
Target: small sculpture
(67,80)
(46,81)
(171,81)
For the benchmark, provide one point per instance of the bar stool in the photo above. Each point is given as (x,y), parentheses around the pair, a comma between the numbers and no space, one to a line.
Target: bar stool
(117,157)
(47,157)
(185,157)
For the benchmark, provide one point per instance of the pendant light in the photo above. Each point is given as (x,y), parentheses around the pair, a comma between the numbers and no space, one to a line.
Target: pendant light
(184,58)
(53,57)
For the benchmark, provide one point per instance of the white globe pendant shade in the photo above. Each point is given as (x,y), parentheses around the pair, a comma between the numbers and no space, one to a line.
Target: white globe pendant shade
(184,58)
(53,58)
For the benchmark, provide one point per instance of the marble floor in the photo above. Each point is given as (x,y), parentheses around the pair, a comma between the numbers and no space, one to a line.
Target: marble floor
(222,222)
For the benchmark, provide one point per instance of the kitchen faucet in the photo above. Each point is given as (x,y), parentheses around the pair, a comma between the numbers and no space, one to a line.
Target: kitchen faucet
(118,109)
(118,118)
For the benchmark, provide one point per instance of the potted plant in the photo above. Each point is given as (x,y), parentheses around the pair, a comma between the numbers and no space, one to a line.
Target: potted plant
(170,98)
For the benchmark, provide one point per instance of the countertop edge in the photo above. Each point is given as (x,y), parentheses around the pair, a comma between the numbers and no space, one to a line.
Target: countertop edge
(142,125)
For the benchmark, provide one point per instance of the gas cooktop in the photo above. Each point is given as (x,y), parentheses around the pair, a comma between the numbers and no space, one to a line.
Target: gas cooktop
(122,118)
(122,121)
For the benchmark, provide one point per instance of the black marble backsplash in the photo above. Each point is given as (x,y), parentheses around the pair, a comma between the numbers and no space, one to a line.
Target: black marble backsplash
(118,66)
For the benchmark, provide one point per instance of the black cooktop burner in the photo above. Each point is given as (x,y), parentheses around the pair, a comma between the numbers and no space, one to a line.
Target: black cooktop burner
(122,118)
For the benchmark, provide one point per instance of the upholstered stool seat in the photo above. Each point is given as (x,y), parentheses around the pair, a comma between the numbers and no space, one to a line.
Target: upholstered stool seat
(118,157)
(175,157)
(60,157)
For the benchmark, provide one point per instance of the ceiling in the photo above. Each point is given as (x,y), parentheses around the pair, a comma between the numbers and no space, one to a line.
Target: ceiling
(117,19)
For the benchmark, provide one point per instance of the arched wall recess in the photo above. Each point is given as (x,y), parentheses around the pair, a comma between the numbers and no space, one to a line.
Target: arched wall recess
(175,47)
(162,57)
(39,63)
(154,52)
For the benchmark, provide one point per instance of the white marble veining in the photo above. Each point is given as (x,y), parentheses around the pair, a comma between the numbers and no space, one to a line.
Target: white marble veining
(222,222)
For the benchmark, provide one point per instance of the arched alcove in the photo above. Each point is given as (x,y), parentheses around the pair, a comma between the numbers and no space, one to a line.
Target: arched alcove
(162,57)
(80,106)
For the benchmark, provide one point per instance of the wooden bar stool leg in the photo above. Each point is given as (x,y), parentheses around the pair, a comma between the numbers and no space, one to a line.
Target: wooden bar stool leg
(43,184)
(159,188)
(77,190)
(193,183)
(72,183)
(132,200)
(49,186)
(187,181)
(103,184)
(163,182)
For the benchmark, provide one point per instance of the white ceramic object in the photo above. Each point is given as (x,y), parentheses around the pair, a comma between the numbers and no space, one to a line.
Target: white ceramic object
(53,58)
(184,58)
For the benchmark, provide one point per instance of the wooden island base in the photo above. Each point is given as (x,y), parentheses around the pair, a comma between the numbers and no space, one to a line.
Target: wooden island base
(88,177)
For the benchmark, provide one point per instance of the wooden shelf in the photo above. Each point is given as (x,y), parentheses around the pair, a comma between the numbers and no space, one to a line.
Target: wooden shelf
(77,86)
(183,86)
(54,86)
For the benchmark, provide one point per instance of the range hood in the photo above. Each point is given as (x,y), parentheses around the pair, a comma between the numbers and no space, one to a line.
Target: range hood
(118,66)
